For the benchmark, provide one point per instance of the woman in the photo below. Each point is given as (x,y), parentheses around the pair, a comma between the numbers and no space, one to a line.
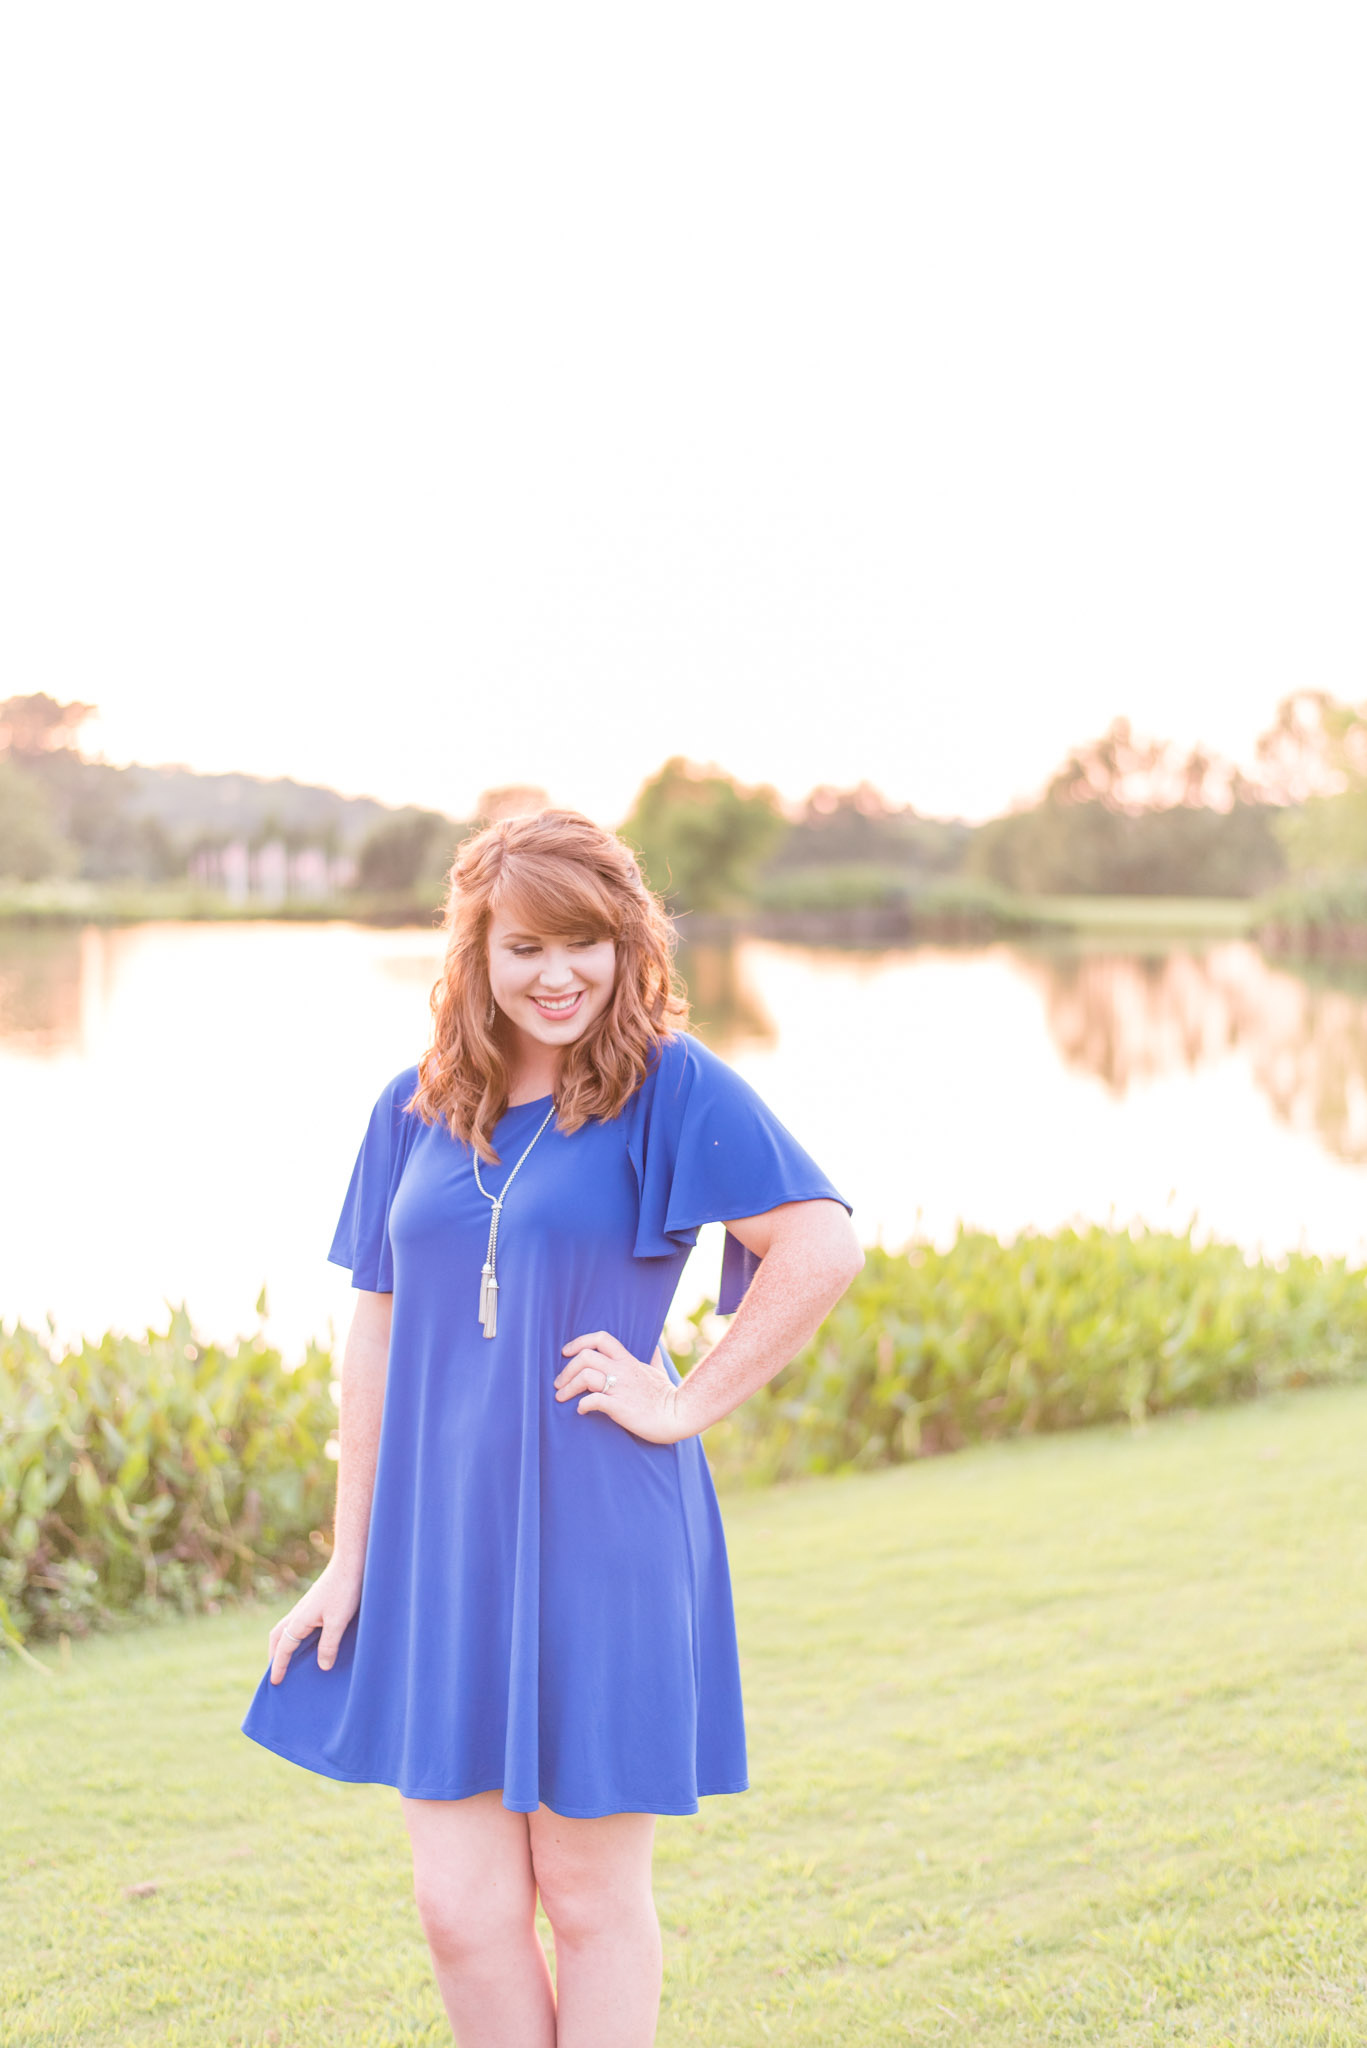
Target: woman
(526,1626)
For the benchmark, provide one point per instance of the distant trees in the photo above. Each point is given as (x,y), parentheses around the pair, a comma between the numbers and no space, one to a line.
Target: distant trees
(701,836)
(31,847)
(34,731)
(1315,757)
(62,815)
(31,727)
(511,800)
(1121,816)
(401,852)
(837,827)
(1125,816)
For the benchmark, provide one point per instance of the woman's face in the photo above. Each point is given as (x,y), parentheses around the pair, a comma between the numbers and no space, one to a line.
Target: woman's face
(551,988)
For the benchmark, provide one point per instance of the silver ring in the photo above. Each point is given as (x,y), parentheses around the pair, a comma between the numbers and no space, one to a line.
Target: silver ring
(609,1382)
(291,1639)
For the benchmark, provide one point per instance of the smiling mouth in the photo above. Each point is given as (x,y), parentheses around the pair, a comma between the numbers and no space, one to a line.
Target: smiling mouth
(559,1006)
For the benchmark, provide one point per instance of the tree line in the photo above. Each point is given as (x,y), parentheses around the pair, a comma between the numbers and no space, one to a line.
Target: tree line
(1121,816)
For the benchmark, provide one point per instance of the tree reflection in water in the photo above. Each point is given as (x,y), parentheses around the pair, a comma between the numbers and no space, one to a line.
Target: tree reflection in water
(724,1008)
(47,973)
(40,987)
(1128,1017)
(1123,1017)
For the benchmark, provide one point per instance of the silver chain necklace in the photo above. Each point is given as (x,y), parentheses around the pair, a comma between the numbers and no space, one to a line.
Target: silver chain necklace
(488,1281)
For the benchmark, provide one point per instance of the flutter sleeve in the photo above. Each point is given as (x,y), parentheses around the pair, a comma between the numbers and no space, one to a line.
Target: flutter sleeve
(361,1240)
(705,1148)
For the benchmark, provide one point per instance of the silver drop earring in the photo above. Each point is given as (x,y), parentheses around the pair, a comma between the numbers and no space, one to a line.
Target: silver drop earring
(490,1014)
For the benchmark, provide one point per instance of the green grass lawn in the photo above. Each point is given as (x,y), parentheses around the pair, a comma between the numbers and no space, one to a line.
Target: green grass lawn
(1058,1741)
(1214,917)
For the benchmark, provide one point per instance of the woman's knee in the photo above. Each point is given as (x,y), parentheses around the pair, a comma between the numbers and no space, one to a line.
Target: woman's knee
(465,1922)
(589,1895)
(472,1875)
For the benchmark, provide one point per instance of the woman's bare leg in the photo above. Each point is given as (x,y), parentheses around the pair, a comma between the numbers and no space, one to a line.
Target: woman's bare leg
(472,1877)
(594,1881)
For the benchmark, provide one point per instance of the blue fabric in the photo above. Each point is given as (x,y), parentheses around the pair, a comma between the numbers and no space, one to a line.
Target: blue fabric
(546,1607)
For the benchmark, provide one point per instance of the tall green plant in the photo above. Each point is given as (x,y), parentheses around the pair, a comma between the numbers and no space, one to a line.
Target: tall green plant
(932,1349)
(155,1470)
(165,1471)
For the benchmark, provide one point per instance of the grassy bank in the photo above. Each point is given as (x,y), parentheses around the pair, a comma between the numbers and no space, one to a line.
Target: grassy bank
(1057,1741)
(82,903)
(960,910)
(855,906)
(1222,917)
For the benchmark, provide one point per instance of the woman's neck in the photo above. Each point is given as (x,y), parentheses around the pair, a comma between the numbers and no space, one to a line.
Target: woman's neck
(532,1073)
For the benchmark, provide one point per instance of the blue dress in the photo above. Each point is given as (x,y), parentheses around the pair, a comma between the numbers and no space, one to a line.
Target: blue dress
(546,1608)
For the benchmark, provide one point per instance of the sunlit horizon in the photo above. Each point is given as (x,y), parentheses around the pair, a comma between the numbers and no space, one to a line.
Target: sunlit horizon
(537,398)
(606,790)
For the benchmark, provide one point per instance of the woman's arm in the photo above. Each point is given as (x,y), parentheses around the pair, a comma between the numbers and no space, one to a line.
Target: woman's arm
(809,1255)
(335,1594)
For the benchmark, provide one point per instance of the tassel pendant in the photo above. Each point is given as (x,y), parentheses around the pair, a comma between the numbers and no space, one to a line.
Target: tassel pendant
(488,1279)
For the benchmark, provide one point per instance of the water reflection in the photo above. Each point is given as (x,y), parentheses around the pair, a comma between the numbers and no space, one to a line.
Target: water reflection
(186,1100)
(1129,1018)
(727,1010)
(50,976)
(40,987)
(725,1007)
(1126,1018)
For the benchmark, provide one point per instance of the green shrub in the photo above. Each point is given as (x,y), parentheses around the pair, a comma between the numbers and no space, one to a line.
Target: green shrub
(931,1350)
(155,1470)
(165,1471)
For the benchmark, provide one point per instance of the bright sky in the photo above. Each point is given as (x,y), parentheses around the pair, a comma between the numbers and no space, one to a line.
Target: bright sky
(422,397)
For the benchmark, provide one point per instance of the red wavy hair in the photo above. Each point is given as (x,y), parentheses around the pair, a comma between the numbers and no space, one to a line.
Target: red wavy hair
(560,874)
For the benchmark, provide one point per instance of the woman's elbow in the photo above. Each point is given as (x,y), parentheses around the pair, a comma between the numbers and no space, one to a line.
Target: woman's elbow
(846,1252)
(824,1240)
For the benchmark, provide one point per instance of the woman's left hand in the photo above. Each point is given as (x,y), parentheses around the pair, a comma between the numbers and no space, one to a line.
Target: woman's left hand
(642,1398)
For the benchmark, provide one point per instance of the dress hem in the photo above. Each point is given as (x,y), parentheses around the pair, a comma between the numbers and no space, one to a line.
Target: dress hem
(471,1791)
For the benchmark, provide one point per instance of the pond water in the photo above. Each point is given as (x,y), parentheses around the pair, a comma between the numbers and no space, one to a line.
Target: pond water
(180,1104)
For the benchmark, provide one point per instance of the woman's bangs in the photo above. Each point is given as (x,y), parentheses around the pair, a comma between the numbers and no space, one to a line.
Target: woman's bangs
(556,899)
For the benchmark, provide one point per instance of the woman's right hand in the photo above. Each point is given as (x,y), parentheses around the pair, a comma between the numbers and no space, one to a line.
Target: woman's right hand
(328,1605)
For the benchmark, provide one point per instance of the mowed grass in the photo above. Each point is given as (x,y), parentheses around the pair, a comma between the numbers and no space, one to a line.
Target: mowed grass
(1059,1741)
(1215,917)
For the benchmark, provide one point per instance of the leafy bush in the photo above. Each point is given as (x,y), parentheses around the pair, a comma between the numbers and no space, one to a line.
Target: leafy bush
(162,1470)
(155,1470)
(931,1350)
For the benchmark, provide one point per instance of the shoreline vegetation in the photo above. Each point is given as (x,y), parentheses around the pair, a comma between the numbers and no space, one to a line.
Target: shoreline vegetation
(164,1473)
(1131,839)
(956,910)
(1320,922)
